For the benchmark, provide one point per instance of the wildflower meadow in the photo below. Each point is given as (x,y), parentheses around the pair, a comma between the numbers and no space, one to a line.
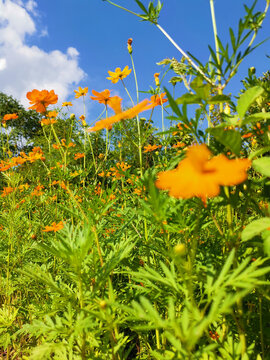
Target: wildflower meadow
(121,240)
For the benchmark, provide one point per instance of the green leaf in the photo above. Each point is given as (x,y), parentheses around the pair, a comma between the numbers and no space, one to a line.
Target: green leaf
(219,99)
(259,152)
(173,104)
(246,99)
(256,117)
(189,99)
(255,228)
(228,138)
(140,4)
(232,36)
(266,245)
(262,165)
(202,90)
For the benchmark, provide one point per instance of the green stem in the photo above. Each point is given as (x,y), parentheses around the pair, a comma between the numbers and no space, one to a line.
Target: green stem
(135,78)
(84,143)
(261,327)
(139,131)
(216,36)
(57,140)
(162,117)
(185,55)
(122,8)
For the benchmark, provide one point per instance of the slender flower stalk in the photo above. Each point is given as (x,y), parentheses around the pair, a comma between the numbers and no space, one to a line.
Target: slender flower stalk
(215,35)
(135,77)
(107,136)
(139,130)
(84,131)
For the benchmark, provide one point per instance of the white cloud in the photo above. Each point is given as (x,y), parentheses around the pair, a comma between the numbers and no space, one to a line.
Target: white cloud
(31,6)
(25,67)
(3,64)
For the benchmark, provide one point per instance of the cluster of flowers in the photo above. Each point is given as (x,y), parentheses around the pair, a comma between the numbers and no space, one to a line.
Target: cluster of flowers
(116,172)
(34,155)
(198,175)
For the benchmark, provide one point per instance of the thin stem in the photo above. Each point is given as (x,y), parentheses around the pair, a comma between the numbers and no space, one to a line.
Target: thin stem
(122,8)
(261,327)
(162,116)
(185,55)
(107,137)
(139,130)
(215,35)
(135,78)
(98,245)
(84,144)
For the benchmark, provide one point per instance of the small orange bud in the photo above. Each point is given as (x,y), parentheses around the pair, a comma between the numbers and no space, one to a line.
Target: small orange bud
(129,45)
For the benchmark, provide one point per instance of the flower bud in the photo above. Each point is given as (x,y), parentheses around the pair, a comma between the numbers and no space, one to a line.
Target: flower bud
(227,109)
(129,45)
(251,71)
(103,304)
(72,116)
(156,76)
(180,249)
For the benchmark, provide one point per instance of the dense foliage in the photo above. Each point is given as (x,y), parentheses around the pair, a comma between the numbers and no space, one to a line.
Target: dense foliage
(98,260)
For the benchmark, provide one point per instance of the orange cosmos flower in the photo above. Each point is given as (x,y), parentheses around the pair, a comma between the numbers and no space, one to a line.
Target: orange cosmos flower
(118,74)
(6,190)
(10,116)
(201,176)
(80,92)
(54,227)
(79,156)
(158,99)
(178,144)
(150,148)
(36,154)
(38,191)
(48,121)
(128,114)
(41,99)
(104,97)
(50,118)
(115,103)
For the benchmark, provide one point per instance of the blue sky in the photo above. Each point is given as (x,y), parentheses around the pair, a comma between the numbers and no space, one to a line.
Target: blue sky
(62,44)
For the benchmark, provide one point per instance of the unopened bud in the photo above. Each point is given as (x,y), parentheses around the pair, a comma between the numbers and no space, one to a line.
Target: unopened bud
(251,71)
(227,109)
(103,304)
(156,76)
(180,249)
(129,45)
(72,116)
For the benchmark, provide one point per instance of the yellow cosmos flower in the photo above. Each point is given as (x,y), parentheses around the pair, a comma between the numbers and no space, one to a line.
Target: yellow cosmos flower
(118,74)
(80,92)
(67,103)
